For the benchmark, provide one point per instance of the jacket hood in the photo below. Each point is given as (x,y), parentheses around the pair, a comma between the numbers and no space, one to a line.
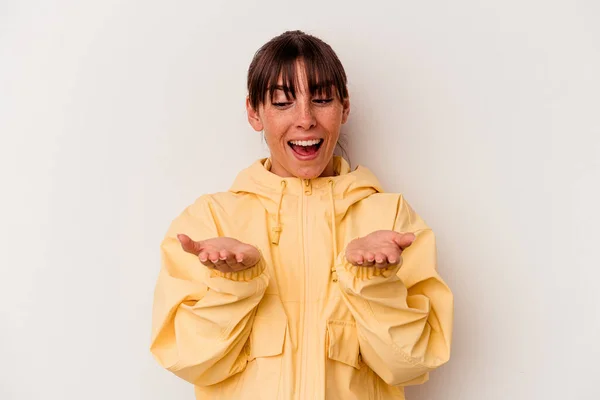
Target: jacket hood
(342,190)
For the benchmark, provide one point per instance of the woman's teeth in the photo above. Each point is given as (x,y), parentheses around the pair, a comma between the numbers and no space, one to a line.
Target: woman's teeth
(305,142)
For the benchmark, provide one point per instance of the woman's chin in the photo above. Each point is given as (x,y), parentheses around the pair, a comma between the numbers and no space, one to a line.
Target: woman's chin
(309,171)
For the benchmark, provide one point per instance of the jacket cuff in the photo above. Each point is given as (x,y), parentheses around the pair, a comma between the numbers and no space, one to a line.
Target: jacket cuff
(244,275)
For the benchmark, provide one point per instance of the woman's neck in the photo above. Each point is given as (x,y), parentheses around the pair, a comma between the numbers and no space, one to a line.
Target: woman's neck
(278,169)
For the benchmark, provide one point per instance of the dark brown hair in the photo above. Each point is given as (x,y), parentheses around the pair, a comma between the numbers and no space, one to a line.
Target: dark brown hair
(278,57)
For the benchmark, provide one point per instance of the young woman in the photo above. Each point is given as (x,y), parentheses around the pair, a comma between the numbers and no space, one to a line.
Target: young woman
(305,280)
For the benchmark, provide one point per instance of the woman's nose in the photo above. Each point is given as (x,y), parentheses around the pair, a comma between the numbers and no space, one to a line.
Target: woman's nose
(306,117)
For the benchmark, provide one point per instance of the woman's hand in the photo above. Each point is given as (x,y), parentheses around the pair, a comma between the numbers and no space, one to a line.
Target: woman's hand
(380,249)
(222,253)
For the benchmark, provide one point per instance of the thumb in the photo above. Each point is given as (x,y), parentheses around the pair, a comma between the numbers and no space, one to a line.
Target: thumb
(403,240)
(188,244)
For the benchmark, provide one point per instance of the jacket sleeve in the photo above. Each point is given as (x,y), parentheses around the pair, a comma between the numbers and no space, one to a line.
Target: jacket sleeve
(403,313)
(201,317)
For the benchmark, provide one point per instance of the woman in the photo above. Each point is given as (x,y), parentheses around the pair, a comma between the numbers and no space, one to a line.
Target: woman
(305,280)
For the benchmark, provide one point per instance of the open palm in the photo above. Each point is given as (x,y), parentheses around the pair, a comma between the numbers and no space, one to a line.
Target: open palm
(222,253)
(380,248)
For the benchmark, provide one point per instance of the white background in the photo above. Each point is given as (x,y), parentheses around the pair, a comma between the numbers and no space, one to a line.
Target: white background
(114,115)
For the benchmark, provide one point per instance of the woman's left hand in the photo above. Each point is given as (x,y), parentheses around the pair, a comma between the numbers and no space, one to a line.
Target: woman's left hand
(380,249)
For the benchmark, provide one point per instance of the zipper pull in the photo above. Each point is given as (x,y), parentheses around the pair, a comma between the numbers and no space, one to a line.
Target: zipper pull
(307,187)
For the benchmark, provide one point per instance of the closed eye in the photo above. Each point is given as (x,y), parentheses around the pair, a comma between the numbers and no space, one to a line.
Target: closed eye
(323,101)
(281,104)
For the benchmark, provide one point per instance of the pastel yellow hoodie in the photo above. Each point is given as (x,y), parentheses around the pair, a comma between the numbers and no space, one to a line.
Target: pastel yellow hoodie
(303,323)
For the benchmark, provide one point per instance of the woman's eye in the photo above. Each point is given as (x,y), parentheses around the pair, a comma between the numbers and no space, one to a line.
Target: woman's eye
(281,104)
(322,101)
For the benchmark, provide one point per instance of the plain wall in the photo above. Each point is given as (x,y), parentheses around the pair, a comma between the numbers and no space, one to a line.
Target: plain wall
(116,114)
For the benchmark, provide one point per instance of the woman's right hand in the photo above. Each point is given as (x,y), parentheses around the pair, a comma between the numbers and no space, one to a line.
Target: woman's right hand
(221,253)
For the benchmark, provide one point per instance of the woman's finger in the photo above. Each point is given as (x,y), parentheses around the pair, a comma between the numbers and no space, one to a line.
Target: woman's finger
(354,257)
(248,257)
(214,259)
(359,259)
(239,258)
(220,263)
(248,261)
(369,259)
(394,257)
(203,256)
(188,245)
(380,258)
(403,240)
(230,260)
(208,263)
(213,256)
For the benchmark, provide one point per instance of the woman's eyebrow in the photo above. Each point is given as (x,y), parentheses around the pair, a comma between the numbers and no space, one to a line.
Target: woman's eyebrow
(280,87)
(321,86)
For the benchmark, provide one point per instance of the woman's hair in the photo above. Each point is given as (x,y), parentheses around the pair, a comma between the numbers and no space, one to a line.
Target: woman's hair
(278,57)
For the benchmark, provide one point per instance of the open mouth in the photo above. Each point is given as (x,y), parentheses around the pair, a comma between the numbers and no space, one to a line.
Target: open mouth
(306,148)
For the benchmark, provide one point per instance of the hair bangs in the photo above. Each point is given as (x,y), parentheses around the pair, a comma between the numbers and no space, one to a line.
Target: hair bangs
(275,67)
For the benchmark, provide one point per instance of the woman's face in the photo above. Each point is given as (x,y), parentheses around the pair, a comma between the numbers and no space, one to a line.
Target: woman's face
(301,133)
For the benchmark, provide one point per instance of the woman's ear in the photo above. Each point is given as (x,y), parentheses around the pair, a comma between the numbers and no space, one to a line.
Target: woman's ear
(253,117)
(345,109)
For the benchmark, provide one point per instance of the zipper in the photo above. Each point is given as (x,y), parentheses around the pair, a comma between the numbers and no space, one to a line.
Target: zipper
(306,191)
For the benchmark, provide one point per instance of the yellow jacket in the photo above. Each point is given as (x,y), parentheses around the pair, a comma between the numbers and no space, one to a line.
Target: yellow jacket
(303,323)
